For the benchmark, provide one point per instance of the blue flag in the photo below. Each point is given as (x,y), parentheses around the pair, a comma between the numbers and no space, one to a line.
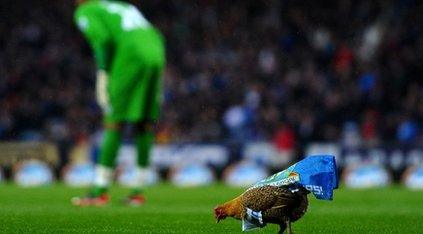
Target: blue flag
(316,173)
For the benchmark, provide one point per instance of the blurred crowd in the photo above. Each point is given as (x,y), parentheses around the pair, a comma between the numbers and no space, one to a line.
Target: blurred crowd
(284,71)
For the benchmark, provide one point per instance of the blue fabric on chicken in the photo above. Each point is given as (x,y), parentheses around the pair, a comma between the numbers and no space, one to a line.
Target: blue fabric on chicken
(316,173)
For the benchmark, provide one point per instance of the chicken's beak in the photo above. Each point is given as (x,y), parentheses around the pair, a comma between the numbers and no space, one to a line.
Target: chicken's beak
(219,218)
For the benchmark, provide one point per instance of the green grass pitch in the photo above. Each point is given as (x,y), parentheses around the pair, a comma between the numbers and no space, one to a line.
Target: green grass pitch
(189,210)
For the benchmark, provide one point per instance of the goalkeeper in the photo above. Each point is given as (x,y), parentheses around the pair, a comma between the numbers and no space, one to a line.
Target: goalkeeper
(130,57)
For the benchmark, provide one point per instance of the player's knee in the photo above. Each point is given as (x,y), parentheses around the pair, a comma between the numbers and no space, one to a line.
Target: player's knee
(113,126)
(145,126)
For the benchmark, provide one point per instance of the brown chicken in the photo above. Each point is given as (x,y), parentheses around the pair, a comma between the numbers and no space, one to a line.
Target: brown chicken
(279,205)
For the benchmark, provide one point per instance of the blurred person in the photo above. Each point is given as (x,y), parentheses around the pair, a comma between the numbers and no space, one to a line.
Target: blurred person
(238,120)
(284,141)
(351,138)
(130,56)
(407,131)
(369,128)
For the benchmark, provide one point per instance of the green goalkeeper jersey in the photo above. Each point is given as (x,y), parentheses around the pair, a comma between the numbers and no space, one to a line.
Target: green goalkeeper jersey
(109,24)
(132,53)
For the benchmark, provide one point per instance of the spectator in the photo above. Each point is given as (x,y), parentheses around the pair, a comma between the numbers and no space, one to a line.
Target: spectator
(289,60)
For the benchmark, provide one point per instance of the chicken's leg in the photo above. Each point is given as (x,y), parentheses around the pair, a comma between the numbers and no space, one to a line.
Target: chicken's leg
(288,225)
(282,228)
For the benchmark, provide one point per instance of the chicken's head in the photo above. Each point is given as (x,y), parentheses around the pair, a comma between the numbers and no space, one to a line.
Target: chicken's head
(219,213)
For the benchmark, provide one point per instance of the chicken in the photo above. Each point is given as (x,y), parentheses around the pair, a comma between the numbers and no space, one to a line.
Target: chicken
(278,204)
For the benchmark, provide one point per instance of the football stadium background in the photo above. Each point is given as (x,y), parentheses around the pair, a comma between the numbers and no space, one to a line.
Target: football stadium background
(250,87)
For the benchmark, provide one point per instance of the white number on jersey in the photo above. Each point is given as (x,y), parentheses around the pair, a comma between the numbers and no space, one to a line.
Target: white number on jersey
(83,23)
(131,17)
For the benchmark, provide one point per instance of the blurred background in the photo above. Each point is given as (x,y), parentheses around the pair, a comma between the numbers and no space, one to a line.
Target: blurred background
(251,86)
